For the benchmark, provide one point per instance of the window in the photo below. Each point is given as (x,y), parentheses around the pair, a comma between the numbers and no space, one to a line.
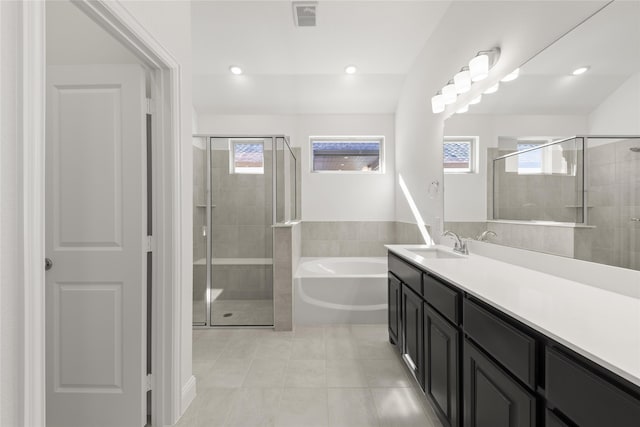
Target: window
(247,156)
(531,161)
(459,154)
(347,154)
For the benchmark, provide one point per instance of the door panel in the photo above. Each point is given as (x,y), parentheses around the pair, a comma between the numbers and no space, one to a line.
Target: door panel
(411,329)
(95,226)
(491,397)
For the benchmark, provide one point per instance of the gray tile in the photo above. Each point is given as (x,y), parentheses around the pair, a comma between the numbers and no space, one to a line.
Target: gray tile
(303,407)
(346,373)
(255,407)
(386,373)
(274,348)
(341,348)
(266,373)
(349,407)
(229,373)
(400,407)
(211,407)
(306,373)
(308,349)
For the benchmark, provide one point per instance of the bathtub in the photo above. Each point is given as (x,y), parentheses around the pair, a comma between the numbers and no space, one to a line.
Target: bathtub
(340,290)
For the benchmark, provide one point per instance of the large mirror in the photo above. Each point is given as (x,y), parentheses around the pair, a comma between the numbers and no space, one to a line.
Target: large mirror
(551,162)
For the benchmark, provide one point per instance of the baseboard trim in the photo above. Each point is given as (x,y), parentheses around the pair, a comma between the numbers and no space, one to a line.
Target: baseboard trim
(188,394)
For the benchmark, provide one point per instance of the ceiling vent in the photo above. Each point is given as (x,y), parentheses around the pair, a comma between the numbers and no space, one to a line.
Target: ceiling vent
(304,13)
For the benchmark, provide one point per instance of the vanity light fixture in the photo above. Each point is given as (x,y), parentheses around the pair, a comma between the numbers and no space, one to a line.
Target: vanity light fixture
(449,93)
(478,69)
(492,89)
(437,103)
(580,70)
(480,65)
(511,76)
(350,69)
(462,80)
(476,100)
(463,109)
(235,70)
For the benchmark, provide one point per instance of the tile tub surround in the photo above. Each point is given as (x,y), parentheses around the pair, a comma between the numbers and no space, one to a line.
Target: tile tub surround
(317,376)
(595,322)
(286,254)
(355,238)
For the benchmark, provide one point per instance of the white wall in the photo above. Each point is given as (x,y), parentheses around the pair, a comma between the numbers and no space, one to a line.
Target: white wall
(619,114)
(170,23)
(465,195)
(326,197)
(11,264)
(516,28)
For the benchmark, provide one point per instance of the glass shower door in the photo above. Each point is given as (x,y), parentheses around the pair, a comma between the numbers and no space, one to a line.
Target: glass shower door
(241,216)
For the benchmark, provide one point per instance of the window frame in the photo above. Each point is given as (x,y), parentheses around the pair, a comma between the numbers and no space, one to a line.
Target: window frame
(473,154)
(353,139)
(233,142)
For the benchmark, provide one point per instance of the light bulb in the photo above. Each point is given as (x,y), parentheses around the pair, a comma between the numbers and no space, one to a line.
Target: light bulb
(350,69)
(580,70)
(492,89)
(235,70)
(476,100)
(479,67)
(462,80)
(437,104)
(511,76)
(449,93)
(463,109)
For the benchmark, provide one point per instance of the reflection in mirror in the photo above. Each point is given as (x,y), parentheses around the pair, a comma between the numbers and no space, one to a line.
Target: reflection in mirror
(540,182)
(579,197)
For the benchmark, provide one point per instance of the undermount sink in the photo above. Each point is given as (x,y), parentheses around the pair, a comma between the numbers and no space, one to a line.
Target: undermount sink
(435,253)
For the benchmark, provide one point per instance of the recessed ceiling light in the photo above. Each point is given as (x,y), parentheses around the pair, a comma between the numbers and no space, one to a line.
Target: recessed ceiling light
(350,69)
(511,76)
(235,70)
(580,70)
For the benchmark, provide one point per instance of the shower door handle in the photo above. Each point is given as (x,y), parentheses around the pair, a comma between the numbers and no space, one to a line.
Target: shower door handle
(48,264)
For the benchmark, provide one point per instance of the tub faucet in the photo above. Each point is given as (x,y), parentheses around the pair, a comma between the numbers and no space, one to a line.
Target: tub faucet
(460,245)
(483,237)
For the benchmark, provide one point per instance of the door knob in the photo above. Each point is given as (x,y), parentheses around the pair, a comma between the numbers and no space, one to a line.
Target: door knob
(48,264)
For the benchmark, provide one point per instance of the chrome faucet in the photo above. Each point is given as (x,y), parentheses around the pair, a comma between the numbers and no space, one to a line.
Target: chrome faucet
(483,237)
(460,245)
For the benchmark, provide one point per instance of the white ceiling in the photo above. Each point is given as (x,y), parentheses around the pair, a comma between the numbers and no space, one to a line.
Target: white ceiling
(291,70)
(609,43)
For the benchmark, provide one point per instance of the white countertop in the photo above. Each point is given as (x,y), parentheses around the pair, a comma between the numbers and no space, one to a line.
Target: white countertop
(599,324)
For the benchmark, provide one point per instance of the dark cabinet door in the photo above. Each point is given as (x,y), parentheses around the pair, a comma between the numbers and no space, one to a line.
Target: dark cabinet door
(491,397)
(394,309)
(411,330)
(441,366)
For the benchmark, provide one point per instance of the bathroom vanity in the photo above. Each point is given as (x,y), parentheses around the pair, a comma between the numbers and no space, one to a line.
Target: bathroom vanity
(492,344)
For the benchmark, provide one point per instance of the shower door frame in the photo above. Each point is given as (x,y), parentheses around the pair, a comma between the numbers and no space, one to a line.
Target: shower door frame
(209,253)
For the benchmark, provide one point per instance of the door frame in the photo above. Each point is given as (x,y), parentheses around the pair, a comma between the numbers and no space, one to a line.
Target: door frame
(169,398)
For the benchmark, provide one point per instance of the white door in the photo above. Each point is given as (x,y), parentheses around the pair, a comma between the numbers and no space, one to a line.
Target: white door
(95,226)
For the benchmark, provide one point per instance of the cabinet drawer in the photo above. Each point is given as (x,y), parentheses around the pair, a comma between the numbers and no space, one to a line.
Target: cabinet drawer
(409,274)
(442,298)
(508,345)
(586,398)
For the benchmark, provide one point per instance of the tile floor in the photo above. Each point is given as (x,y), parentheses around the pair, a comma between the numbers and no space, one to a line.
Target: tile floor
(253,312)
(316,376)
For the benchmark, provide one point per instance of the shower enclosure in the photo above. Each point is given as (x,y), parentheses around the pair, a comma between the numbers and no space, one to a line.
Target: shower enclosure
(242,185)
(590,183)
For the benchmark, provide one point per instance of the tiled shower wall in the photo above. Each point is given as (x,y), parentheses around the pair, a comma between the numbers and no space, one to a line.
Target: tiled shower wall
(355,238)
(614,199)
